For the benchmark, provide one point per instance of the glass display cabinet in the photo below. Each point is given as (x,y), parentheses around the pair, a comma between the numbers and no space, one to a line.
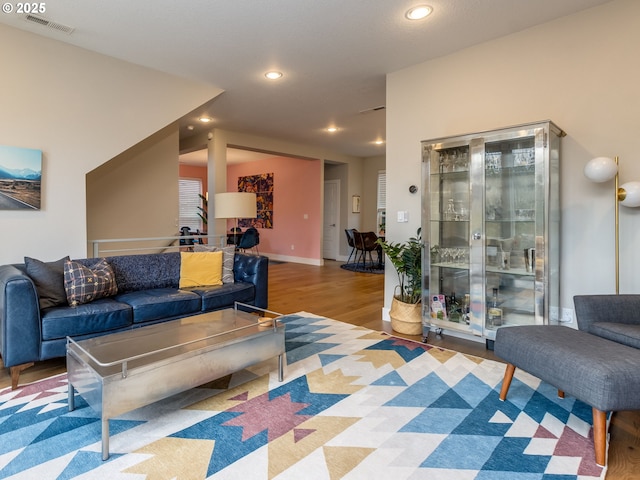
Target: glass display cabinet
(491,227)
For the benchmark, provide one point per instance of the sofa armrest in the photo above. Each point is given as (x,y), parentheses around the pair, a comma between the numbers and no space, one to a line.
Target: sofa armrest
(20,327)
(253,269)
(624,309)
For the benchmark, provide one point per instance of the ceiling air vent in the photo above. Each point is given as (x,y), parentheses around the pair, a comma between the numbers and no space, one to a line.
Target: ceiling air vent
(49,24)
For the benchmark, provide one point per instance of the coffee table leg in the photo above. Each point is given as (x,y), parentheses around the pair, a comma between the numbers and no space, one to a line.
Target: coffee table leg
(71,401)
(280,367)
(105,438)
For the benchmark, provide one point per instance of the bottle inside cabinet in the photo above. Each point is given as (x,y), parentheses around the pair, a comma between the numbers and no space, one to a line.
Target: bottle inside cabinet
(494,312)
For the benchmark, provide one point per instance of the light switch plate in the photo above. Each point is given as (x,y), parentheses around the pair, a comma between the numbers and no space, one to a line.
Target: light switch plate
(403,216)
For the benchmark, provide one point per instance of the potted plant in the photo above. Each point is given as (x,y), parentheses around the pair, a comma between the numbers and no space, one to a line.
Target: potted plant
(406,258)
(203,211)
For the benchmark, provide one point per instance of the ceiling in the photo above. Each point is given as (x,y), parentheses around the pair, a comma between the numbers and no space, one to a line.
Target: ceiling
(334,54)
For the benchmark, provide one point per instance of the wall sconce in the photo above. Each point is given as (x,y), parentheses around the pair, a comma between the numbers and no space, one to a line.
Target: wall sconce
(603,169)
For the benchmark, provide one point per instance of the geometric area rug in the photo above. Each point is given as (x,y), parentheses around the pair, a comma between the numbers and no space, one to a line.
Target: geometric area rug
(355,404)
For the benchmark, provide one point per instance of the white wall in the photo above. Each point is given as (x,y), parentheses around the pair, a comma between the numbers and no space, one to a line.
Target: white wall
(581,72)
(81,109)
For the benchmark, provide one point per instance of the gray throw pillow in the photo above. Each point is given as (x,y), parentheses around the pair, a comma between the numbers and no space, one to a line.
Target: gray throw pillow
(48,278)
(228,258)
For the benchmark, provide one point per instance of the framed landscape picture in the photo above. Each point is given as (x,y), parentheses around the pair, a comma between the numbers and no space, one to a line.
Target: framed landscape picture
(20,177)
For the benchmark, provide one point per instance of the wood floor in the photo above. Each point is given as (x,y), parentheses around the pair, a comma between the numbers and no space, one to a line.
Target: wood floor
(357,298)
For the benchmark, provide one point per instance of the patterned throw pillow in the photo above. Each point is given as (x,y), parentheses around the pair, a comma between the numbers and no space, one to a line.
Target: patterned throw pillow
(86,284)
(228,258)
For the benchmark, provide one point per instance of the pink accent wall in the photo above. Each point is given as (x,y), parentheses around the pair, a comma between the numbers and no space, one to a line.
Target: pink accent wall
(296,192)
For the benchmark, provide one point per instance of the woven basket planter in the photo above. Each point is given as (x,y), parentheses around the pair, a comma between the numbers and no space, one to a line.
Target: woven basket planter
(406,318)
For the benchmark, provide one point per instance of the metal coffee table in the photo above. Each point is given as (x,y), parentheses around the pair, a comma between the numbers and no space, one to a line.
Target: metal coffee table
(123,371)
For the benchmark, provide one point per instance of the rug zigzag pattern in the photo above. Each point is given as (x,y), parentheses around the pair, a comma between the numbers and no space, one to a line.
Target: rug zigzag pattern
(354,404)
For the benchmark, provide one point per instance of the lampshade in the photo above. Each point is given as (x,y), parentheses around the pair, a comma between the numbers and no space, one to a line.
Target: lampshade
(629,194)
(235,205)
(601,169)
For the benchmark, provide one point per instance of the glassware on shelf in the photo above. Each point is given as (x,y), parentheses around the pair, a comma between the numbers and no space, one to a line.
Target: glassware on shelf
(454,256)
(525,213)
(435,254)
(445,163)
(462,213)
(450,212)
(493,162)
(454,161)
(523,157)
(461,161)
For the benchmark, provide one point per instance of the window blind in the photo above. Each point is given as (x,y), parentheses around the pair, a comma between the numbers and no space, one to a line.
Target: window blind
(188,191)
(382,190)
(381,217)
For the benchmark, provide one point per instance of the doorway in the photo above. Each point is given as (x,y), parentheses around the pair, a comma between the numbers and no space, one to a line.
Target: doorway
(331,220)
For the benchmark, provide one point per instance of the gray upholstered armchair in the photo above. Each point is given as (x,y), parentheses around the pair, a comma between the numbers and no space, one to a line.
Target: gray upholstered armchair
(598,364)
(614,317)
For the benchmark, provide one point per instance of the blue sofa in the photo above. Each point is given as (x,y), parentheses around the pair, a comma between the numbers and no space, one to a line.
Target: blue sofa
(148,293)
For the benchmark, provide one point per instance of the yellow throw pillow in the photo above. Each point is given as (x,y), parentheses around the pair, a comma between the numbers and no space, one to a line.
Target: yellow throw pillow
(198,269)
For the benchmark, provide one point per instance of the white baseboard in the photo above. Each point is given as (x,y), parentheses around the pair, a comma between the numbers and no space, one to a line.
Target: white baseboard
(385,314)
(287,258)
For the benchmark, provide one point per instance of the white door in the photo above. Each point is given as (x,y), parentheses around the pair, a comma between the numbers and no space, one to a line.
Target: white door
(331,225)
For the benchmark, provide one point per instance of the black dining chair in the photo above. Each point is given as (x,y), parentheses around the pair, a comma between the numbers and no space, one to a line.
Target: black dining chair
(351,241)
(187,243)
(366,242)
(235,236)
(249,240)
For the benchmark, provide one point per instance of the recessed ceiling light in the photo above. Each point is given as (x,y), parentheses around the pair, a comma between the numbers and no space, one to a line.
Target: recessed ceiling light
(332,129)
(190,127)
(204,119)
(419,12)
(273,75)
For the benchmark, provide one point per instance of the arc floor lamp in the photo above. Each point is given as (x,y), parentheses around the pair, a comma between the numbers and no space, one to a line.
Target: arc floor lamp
(603,169)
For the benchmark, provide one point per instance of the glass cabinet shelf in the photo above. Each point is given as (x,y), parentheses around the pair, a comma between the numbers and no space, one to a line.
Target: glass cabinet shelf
(512,271)
(491,225)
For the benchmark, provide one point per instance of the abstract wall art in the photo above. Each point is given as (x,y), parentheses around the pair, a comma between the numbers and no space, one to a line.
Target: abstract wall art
(262,186)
